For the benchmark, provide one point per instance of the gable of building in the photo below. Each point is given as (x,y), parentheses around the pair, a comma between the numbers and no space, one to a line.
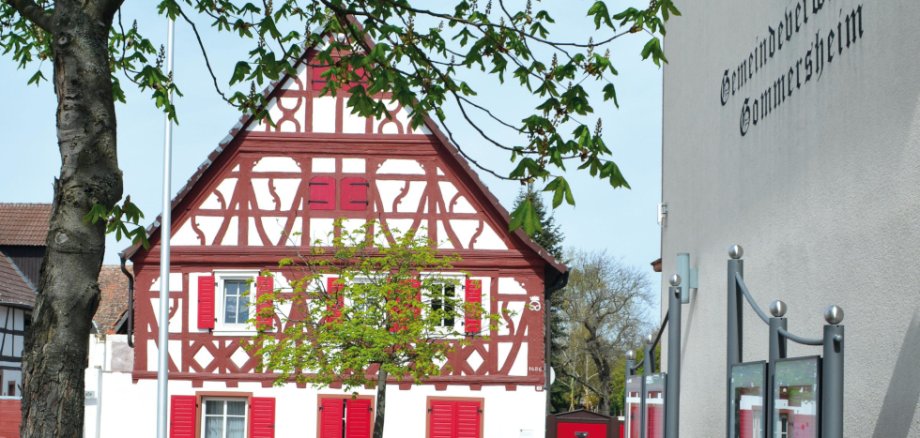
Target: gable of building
(280,184)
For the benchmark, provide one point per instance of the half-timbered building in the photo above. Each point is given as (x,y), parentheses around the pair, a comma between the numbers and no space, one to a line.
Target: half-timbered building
(23,228)
(267,192)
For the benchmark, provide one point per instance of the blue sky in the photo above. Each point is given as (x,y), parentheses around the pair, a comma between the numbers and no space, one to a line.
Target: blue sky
(622,222)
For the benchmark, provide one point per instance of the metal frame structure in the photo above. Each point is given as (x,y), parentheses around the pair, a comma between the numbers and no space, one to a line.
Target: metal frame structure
(830,414)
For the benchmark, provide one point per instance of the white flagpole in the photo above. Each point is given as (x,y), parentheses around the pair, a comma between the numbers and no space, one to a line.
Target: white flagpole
(165,233)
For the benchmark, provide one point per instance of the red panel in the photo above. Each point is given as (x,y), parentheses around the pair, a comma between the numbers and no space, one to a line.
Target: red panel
(454,419)
(746,423)
(264,317)
(634,421)
(183,410)
(569,430)
(322,193)
(206,302)
(10,417)
(333,287)
(354,194)
(262,417)
(655,421)
(358,418)
(331,412)
(473,320)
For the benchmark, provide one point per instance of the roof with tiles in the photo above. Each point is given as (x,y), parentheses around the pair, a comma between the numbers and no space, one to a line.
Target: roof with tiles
(15,288)
(24,224)
(113,302)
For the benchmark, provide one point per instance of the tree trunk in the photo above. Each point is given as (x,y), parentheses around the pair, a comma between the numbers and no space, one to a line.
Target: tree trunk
(55,355)
(380,409)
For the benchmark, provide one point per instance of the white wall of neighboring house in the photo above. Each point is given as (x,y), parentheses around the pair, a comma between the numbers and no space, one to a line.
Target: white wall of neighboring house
(821,190)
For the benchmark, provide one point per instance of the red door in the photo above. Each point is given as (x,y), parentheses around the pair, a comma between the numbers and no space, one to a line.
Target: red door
(454,419)
(574,430)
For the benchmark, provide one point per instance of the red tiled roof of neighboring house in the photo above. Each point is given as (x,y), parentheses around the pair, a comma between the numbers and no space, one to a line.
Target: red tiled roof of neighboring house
(113,302)
(24,224)
(15,288)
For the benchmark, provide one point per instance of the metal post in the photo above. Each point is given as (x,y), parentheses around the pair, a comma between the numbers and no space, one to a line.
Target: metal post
(777,351)
(734,330)
(672,391)
(683,272)
(630,367)
(832,375)
(647,367)
(165,233)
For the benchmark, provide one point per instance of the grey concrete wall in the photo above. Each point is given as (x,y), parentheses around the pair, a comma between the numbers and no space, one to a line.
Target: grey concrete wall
(823,193)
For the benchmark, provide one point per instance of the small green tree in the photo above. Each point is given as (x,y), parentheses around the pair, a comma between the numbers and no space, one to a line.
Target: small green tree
(362,311)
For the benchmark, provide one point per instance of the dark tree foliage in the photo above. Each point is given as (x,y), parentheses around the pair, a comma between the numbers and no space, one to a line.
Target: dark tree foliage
(549,236)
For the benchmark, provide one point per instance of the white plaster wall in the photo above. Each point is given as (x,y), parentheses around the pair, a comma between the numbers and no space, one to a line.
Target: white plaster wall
(14,319)
(823,195)
(131,407)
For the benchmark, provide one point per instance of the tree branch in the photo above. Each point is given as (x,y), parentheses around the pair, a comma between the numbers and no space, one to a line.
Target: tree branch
(34,13)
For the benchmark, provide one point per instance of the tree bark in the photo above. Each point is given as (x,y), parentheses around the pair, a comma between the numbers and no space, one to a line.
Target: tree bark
(55,355)
(380,409)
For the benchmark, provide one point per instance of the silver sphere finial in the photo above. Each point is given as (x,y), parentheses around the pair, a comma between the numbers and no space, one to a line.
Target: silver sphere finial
(675,280)
(649,338)
(735,252)
(833,314)
(631,355)
(778,309)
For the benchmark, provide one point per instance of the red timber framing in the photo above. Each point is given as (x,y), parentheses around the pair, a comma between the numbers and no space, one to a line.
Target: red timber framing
(239,213)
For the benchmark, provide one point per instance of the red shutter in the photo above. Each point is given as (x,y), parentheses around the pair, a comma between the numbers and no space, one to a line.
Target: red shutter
(206,302)
(454,419)
(333,288)
(473,319)
(331,412)
(264,285)
(183,411)
(358,418)
(400,313)
(440,420)
(354,193)
(322,193)
(262,417)
(317,81)
(468,416)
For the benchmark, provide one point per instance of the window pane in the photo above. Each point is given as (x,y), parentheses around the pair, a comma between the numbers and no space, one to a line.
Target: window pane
(212,407)
(213,427)
(448,305)
(236,427)
(236,408)
(236,301)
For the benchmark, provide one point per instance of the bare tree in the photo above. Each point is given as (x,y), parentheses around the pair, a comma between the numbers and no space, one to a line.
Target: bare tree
(605,312)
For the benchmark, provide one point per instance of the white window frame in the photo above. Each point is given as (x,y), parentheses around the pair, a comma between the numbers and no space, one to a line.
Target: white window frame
(459,292)
(204,413)
(220,276)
